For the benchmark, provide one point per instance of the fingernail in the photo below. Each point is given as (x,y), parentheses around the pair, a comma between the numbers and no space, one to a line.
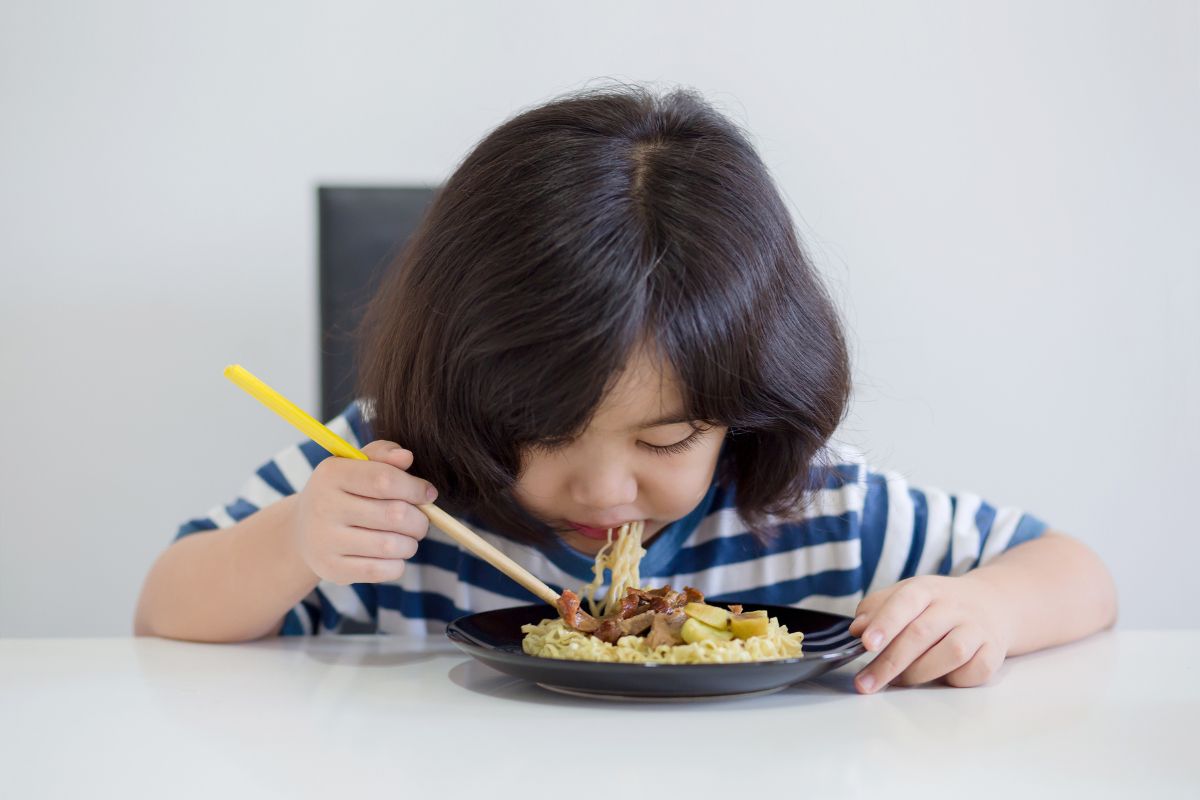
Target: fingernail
(430,494)
(866,683)
(873,640)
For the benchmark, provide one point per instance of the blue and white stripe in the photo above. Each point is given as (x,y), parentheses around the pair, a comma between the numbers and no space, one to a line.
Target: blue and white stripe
(862,531)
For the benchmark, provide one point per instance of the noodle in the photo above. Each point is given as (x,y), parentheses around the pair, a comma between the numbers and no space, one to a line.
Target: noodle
(621,558)
(553,638)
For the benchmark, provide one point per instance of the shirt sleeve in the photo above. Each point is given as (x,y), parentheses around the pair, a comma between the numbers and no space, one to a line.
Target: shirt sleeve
(908,531)
(329,607)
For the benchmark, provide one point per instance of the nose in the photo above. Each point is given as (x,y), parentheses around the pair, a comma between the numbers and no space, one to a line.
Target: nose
(603,486)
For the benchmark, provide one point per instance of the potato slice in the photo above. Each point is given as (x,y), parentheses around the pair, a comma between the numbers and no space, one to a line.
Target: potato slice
(743,626)
(696,631)
(710,615)
(762,612)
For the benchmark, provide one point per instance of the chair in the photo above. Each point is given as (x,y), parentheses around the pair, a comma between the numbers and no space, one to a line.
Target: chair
(361,229)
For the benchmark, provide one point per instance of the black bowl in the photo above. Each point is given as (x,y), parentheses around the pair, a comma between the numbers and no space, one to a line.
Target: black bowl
(494,637)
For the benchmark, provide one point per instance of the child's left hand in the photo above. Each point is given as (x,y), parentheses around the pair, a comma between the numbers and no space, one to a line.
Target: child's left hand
(932,627)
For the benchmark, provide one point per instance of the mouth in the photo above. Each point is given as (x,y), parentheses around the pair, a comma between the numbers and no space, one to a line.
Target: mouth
(591,531)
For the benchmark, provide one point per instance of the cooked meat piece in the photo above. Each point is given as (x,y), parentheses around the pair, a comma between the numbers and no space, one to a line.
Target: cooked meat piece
(573,615)
(632,604)
(734,608)
(637,601)
(609,631)
(673,600)
(613,628)
(664,629)
(636,626)
(658,604)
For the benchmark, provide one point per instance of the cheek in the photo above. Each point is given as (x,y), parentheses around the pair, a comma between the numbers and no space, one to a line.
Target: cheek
(537,483)
(676,489)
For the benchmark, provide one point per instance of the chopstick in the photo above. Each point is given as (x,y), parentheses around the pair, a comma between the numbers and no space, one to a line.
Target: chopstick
(338,446)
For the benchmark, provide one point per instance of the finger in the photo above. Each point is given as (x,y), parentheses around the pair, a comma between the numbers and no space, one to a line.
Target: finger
(867,608)
(978,670)
(917,637)
(357,569)
(907,603)
(389,453)
(396,516)
(381,481)
(376,544)
(872,602)
(954,650)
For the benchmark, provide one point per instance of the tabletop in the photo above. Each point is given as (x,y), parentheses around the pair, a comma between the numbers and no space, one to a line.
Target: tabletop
(1113,716)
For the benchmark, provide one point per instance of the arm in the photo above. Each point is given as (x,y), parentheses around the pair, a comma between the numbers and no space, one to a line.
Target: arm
(1041,593)
(352,522)
(233,584)
(1053,590)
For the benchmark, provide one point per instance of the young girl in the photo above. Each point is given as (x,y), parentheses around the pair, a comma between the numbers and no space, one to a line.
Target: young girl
(606,316)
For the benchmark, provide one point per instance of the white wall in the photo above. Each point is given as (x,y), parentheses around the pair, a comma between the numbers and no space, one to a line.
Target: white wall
(1004,195)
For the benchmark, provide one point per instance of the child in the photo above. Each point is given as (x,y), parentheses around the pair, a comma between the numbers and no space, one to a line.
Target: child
(606,316)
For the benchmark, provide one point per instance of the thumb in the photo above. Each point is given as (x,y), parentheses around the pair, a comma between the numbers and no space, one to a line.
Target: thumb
(388,453)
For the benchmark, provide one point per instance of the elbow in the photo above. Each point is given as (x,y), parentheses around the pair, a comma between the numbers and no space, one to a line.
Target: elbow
(1108,602)
(1096,580)
(1104,592)
(145,621)
(163,624)
(141,616)
(156,617)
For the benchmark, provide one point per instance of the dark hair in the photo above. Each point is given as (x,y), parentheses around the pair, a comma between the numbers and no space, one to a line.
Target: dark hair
(570,235)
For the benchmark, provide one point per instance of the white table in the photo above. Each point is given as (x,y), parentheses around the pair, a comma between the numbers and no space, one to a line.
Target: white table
(1115,716)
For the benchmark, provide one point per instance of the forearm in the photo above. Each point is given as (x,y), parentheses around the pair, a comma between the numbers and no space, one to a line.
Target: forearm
(228,585)
(1052,590)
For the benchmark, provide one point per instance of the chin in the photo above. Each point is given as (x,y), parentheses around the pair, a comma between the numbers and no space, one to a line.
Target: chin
(582,543)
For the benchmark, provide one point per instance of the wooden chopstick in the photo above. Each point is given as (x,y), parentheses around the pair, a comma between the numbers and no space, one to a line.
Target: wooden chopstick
(338,446)
(485,550)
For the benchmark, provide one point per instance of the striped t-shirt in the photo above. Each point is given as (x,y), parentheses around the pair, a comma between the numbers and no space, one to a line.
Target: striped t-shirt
(862,531)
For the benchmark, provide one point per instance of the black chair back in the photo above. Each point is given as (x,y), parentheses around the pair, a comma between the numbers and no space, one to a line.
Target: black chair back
(361,230)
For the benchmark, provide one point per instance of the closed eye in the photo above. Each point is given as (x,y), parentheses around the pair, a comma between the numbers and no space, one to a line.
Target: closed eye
(678,447)
(550,445)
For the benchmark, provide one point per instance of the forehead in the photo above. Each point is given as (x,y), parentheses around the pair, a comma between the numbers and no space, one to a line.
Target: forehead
(646,390)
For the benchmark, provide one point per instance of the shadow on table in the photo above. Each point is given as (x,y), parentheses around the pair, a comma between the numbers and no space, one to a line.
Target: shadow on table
(482,679)
(375,651)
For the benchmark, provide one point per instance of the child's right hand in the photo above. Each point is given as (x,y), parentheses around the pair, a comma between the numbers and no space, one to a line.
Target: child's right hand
(358,521)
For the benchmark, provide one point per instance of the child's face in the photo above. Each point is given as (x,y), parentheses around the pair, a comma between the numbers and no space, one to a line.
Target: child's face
(612,473)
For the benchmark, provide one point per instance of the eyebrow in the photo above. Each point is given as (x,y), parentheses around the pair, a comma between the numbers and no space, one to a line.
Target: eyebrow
(667,419)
